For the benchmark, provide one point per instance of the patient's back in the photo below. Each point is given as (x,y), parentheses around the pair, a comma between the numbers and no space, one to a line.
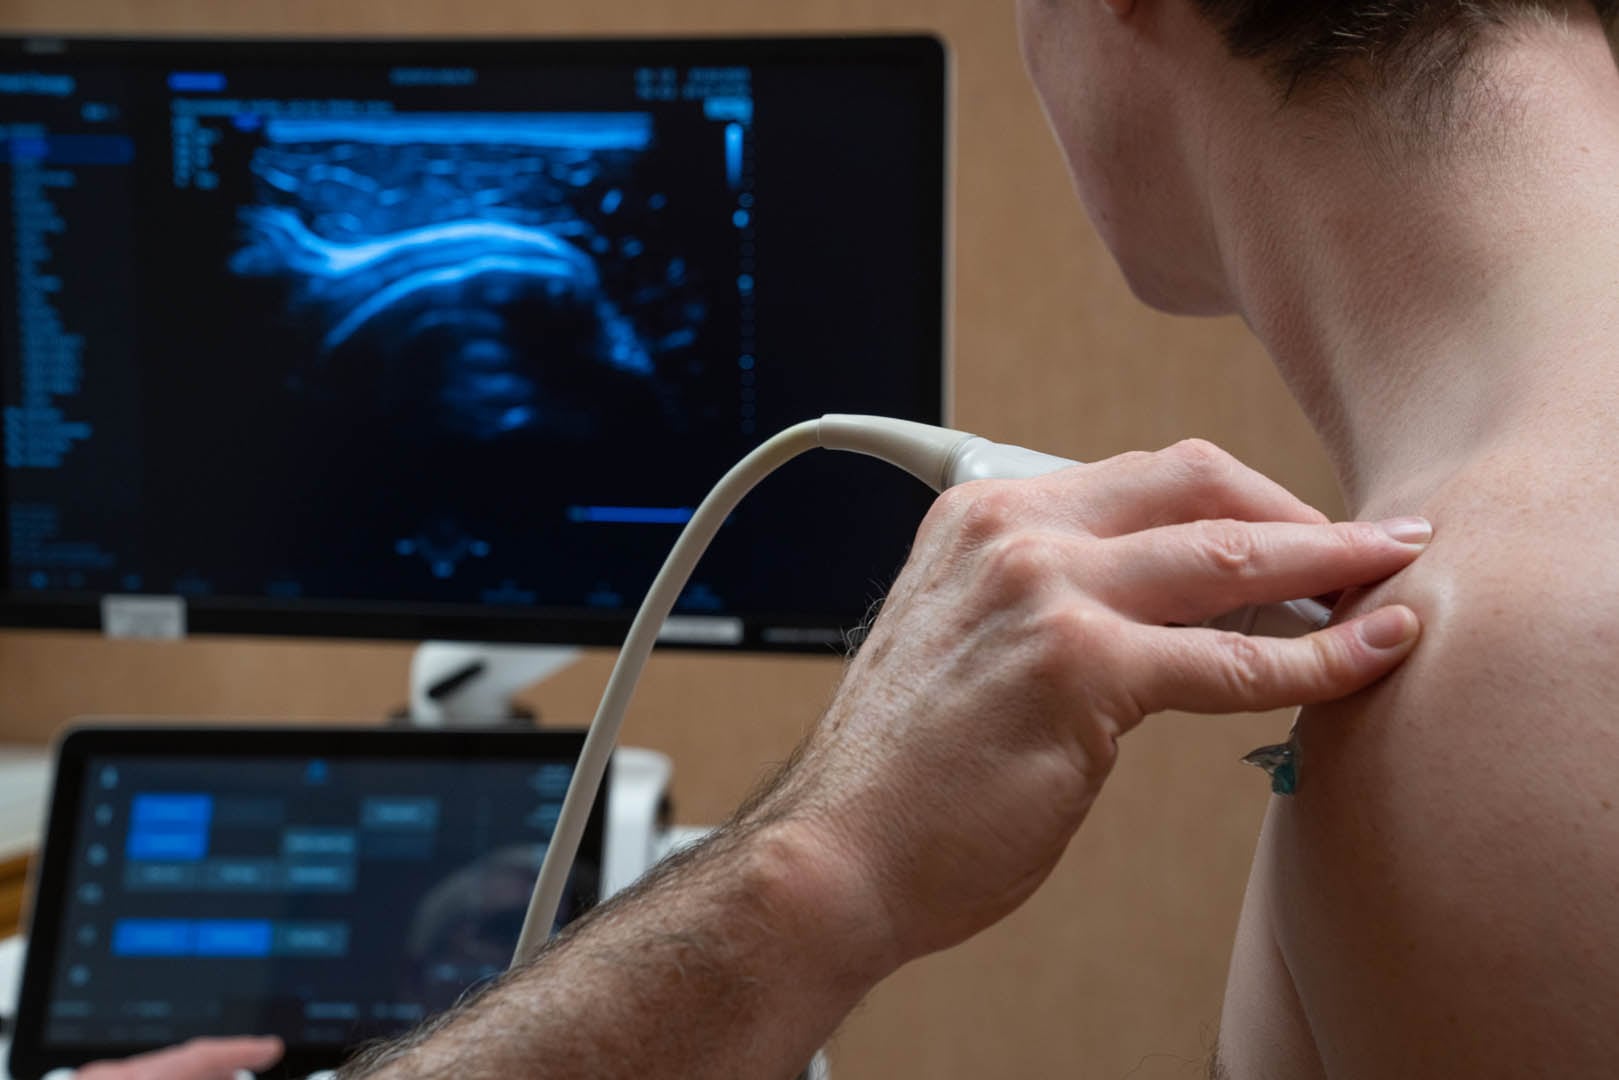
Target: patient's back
(1441,897)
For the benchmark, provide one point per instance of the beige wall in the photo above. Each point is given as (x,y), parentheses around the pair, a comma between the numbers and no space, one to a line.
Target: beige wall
(1115,968)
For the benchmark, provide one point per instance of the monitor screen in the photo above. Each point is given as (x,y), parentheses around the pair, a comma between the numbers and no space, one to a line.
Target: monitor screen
(325,886)
(448,338)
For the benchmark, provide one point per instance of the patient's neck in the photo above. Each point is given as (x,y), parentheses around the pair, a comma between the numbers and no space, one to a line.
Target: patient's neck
(1424,310)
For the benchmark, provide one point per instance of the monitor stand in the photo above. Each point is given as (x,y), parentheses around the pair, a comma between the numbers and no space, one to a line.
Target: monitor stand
(467,684)
(464,684)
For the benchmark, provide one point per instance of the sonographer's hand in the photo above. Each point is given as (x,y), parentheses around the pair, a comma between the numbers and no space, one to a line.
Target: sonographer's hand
(1035,623)
(199,1059)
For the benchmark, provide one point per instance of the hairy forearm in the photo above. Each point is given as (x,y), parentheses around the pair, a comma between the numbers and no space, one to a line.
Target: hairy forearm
(739,959)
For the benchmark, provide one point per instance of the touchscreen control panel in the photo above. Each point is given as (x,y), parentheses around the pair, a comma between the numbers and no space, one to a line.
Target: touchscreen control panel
(325,899)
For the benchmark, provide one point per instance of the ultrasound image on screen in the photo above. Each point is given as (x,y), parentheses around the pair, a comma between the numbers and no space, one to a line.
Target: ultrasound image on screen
(460,337)
(481,266)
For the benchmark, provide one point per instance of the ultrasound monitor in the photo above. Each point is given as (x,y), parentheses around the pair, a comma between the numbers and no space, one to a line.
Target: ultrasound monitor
(448,338)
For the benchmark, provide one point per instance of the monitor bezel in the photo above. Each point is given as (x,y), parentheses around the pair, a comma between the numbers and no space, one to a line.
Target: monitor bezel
(924,53)
(30,1055)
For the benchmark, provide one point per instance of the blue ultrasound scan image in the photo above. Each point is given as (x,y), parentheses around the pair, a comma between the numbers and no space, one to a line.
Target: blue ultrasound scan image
(479,321)
(494,264)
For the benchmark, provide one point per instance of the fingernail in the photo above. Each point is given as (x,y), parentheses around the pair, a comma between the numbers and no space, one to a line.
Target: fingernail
(1389,628)
(1408,530)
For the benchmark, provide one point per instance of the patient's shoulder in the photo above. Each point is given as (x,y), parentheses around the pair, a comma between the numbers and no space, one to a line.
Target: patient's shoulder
(1445,884)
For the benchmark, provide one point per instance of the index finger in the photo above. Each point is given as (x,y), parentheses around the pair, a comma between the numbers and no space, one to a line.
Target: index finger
(1191,481)
(1189,573)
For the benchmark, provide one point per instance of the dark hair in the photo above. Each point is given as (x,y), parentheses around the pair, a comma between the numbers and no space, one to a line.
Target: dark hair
(1416,44)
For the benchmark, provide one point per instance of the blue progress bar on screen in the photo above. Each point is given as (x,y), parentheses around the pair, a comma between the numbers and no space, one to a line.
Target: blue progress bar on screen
(191,937)
(197,82)
(631,515)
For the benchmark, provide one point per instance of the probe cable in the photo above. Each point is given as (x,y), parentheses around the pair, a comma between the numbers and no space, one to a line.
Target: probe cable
(660,601)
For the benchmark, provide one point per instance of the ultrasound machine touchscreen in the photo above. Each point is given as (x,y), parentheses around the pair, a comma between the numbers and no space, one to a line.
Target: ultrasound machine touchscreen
(325,885)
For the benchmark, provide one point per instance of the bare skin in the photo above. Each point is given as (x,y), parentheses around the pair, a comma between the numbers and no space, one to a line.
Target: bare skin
(970,737)
(1441,892)
(1439,897)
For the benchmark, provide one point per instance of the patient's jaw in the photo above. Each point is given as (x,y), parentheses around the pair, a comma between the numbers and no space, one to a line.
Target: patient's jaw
(1131,90)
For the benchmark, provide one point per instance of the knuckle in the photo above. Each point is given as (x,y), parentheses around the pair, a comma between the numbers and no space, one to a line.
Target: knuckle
(1248,668)
(1230,549)
(1357,537)
(991,513)
(1019,564)
(1208,475)
(1070,630)
(948,506)
(1348,544)
(1068,640)
(974,512)
(1201,457)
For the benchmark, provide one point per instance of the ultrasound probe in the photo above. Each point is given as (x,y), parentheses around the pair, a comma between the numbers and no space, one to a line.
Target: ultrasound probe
(939,457)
